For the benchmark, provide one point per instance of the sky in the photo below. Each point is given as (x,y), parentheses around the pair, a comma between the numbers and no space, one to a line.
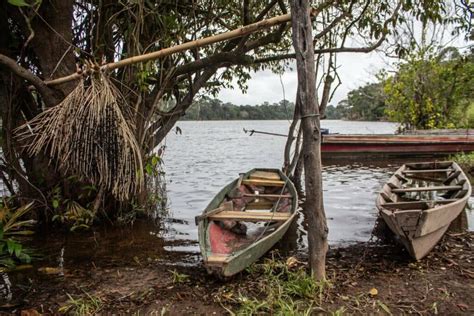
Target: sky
(355,71)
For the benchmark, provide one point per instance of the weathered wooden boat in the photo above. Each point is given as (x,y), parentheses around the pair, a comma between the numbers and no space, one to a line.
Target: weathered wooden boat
(420,200)
(245,219)
(417,145)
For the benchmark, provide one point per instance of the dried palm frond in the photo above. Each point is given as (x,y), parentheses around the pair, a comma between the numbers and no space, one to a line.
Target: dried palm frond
(88,135)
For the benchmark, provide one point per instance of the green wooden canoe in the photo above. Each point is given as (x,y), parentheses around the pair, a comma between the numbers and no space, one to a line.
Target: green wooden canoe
(245,219)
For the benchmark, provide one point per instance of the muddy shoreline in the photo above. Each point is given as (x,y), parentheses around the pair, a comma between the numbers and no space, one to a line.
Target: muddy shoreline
(441,283)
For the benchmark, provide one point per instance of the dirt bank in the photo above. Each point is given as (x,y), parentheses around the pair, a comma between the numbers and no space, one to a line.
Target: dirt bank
(441,283)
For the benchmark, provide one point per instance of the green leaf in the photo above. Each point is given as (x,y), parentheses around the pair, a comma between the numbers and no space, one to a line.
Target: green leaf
(384,307)
(18,3)
(55,203)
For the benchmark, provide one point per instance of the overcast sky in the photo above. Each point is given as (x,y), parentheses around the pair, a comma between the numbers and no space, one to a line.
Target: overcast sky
(355,70)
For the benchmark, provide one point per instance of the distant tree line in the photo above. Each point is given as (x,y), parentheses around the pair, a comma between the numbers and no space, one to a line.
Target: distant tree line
(214,109)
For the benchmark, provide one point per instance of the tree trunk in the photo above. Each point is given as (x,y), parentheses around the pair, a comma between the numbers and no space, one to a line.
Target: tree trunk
(313,206)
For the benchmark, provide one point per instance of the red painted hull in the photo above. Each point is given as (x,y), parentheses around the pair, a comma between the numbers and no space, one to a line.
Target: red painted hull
(395,145)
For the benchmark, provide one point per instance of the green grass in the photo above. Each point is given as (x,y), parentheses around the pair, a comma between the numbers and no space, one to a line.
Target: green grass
(464,159)
(287,291)
(86,305)
(470,115)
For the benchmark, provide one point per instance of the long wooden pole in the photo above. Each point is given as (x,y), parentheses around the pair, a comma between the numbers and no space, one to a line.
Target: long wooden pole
(242,31)
(309,112)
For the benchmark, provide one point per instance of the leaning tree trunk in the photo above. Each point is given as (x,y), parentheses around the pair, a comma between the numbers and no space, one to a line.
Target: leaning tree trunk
(313,206)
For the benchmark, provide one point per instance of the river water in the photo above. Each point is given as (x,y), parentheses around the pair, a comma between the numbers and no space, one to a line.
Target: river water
(209,154)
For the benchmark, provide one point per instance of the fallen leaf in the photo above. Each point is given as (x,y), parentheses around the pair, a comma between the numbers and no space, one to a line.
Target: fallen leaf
(373,291)
(49,270)
(29,312)
(384,307)
(291,262)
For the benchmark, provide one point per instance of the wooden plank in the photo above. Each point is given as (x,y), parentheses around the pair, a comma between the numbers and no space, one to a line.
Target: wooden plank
(259,206)
(265,175)
(251,216)
(268,183)
(269,196)
(427,165)
(422,178)
(434,188)
(427,170)
(225,206)
(416,204)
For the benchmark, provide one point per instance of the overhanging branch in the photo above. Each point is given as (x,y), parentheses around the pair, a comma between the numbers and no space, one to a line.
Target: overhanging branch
(47,94)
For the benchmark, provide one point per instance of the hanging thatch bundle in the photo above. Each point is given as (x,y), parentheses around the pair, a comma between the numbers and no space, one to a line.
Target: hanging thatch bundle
(88,135)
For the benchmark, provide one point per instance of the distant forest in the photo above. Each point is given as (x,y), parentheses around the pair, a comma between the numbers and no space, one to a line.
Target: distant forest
(214,109)
(208,109)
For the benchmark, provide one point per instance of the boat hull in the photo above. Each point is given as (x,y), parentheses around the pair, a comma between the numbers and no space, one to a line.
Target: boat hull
(239,260)
(421,228)
(345,146)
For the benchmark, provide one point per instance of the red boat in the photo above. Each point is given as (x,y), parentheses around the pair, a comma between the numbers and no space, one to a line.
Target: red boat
(346,146)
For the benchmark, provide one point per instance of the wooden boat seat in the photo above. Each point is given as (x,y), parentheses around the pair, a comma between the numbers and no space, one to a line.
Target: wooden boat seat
(422,178)
(267,183)
(265,175)
(416,204)
(427,170)
(269,196)
(433,188)
(250,216)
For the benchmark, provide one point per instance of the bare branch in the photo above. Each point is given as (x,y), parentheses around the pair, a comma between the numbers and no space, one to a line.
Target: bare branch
(48,95)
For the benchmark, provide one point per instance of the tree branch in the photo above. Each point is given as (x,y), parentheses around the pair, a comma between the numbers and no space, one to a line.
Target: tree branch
(227,57)
(367,49)
(48,94)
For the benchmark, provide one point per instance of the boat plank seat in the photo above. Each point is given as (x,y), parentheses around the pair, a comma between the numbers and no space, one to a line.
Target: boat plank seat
(268,183)
(225,206)
(433,188)
(269,196)
(251,216)
(265,175)
(422,178)
(416,204)
(427,170)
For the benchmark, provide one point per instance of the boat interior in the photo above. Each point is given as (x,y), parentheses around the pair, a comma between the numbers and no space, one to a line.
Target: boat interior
(422,186)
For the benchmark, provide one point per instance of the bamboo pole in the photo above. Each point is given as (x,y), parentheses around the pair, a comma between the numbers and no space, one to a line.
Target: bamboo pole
(242,31)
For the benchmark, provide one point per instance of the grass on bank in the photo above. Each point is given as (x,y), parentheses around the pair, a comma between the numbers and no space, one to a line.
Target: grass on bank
(85,305)
(466,161)
(283,289)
